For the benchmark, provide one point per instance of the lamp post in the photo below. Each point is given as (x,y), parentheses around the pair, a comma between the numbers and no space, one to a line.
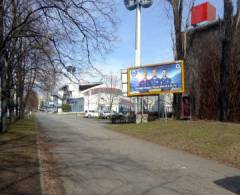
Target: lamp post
(137,4)
(138,36)
(131,5)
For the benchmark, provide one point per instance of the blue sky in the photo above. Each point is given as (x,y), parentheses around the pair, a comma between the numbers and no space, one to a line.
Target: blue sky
(156,36)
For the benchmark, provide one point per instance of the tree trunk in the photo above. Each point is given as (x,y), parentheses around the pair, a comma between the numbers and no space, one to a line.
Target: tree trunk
(17,105)
(223,113)
(3,127)
(10,95)
(177,7)
(3,74)
(21,100)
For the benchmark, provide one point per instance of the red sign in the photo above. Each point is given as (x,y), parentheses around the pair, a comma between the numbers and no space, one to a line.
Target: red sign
(202,13)
(186,107)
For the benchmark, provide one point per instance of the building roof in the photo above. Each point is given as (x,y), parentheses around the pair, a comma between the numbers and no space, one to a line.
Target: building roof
(102,88)
(81,87)
(88,86)
(205,26)
(56,96)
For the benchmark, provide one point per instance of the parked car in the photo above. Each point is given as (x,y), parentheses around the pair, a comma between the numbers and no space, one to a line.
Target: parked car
(50,109)
(43,109)
(91,113)
(106,114)
(123,117)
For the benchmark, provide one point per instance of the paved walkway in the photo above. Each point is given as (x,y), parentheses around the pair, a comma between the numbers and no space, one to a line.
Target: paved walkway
(93,160)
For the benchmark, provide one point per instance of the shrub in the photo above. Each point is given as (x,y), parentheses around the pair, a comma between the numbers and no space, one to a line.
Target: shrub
(66,108)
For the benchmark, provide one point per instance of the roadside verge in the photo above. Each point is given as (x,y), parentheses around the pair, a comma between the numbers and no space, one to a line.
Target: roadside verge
(50,178)
(213,140)
(19,167)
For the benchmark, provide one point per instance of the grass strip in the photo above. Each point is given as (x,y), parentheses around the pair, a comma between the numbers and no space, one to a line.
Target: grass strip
(19,167)
(213,140)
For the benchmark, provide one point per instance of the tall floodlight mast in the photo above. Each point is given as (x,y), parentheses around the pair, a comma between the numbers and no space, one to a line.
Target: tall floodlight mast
(131,5)
(137,4)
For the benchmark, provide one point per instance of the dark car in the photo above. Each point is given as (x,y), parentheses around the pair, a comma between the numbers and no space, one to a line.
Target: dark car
(123,117)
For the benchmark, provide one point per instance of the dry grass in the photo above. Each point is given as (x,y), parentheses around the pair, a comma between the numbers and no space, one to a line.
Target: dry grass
(19,167)
(214,140)
(50,169)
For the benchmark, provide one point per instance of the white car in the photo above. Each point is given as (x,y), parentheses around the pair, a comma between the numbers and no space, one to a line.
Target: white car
(107,114)
(104,114)
(91,114)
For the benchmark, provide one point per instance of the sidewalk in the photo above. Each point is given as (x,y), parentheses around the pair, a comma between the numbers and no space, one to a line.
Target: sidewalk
(89,159)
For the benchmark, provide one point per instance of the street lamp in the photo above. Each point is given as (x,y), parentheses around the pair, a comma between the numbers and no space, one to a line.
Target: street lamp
(137,4)
(131,5)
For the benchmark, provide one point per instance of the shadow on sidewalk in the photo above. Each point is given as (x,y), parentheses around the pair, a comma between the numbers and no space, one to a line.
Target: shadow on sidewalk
(19,167)
(230,183)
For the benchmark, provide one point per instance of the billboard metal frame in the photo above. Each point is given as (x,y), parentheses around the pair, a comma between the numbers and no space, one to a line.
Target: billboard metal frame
(156,92)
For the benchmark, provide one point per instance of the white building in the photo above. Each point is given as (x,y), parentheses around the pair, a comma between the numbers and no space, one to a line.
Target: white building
(99,97)
(94,96)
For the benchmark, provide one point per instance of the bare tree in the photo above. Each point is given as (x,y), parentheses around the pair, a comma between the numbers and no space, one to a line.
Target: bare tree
(111,89)
(177,11)
(229,28)
(32,101)
(38,35)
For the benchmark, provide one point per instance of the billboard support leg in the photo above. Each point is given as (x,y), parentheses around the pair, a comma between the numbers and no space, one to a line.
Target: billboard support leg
(147,105)
(142,107)
(135,105)
(158,106)
(165,108)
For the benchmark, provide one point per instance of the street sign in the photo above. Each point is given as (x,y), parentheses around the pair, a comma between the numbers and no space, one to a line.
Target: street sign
(202,13)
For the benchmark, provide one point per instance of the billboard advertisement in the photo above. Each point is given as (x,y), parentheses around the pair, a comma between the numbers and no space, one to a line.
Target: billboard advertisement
(156,79)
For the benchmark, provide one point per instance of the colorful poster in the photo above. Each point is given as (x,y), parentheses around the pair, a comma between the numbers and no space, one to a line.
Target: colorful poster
(156,79)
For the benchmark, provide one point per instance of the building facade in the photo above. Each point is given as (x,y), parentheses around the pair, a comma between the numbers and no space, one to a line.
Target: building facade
(94,96)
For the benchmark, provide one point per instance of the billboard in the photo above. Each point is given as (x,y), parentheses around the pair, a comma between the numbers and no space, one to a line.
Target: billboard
(156,79)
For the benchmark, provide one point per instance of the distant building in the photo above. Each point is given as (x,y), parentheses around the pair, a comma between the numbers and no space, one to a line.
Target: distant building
(91,96)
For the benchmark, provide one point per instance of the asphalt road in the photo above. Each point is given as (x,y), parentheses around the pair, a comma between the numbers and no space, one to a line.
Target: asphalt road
(94,160)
